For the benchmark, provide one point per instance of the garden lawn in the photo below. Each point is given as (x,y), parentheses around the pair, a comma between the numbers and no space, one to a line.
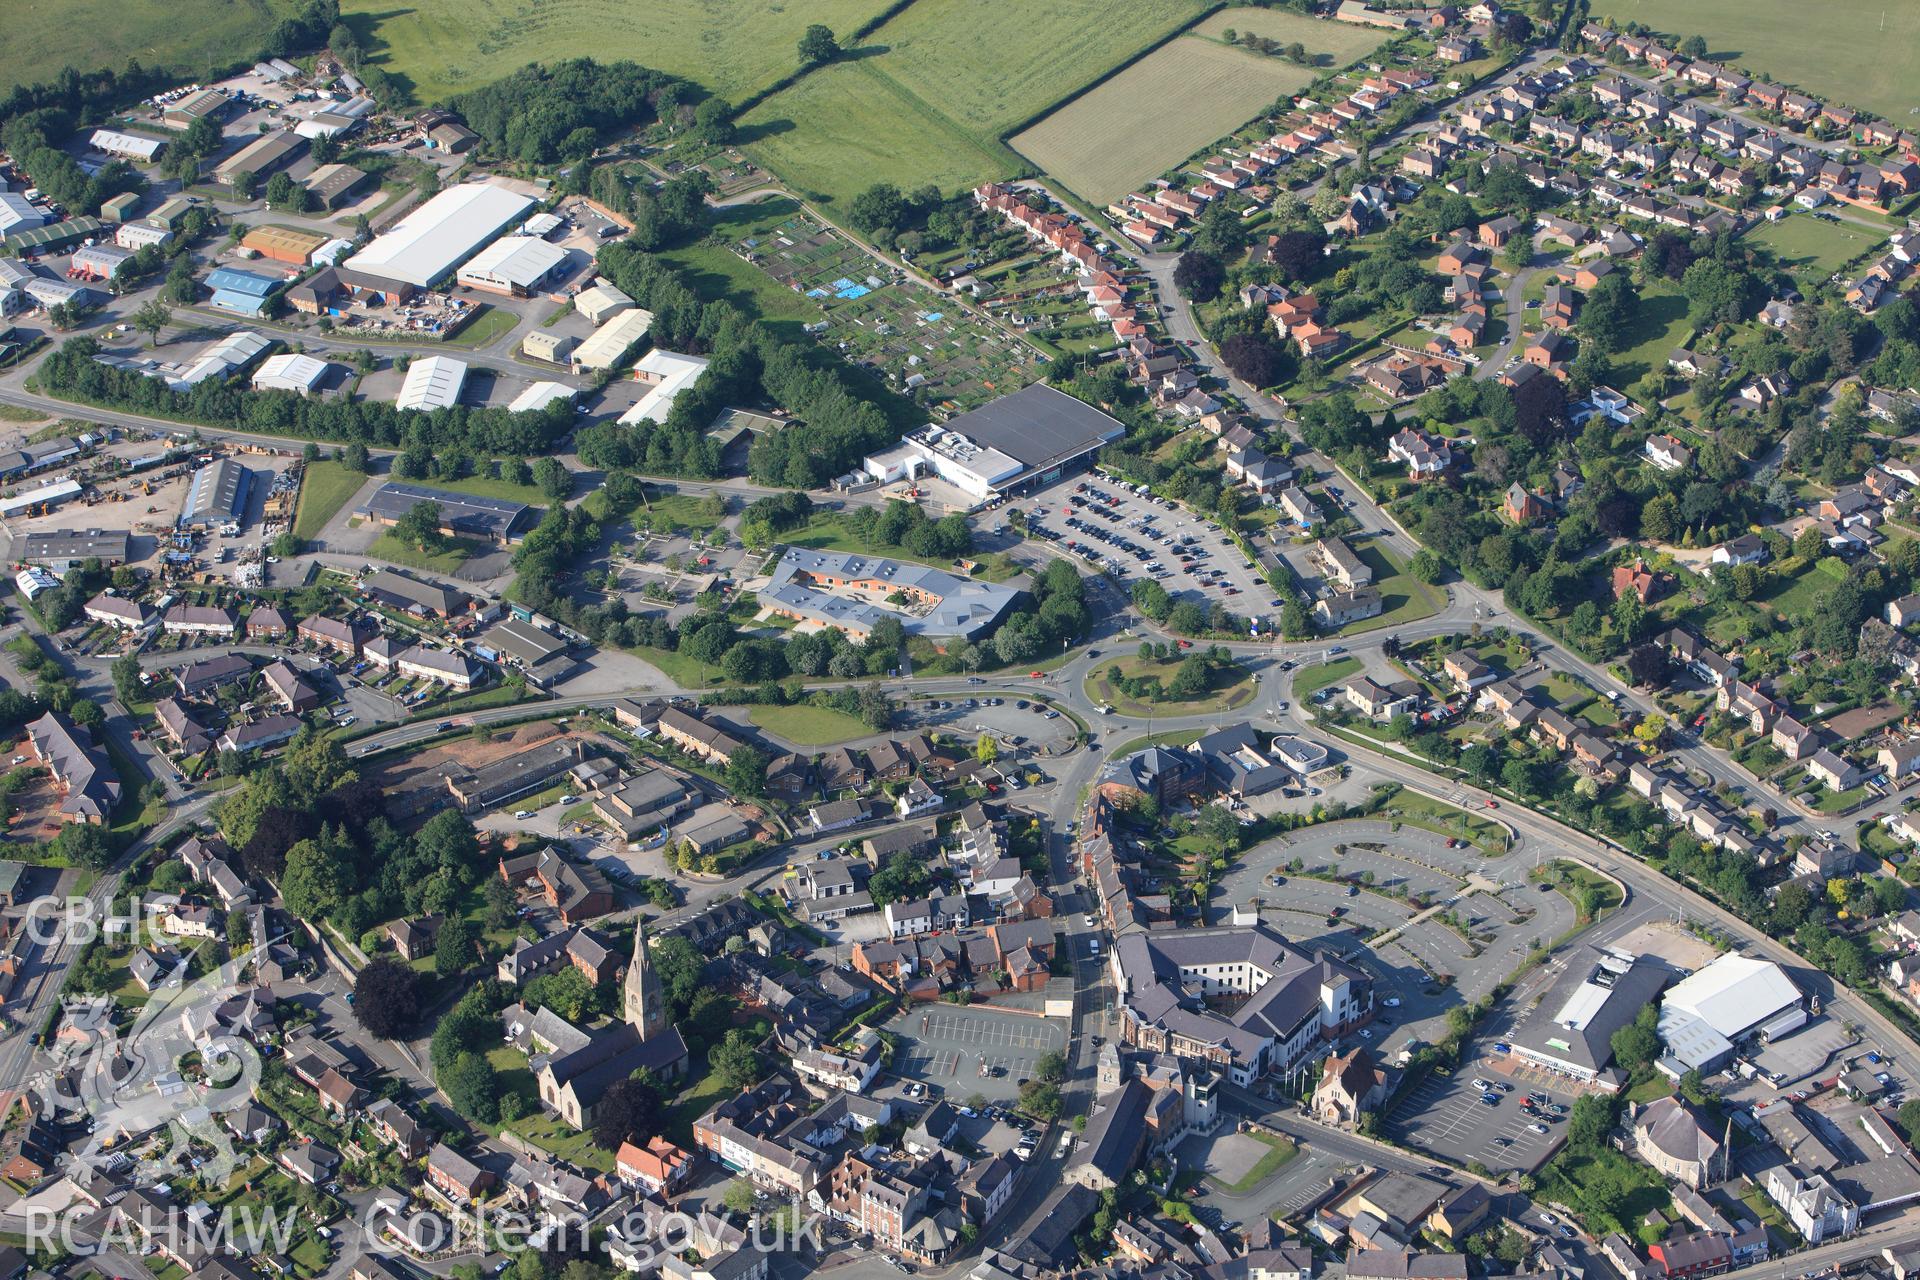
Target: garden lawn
(1813,248)
(1403,597)
(389,547)
(1308,681)
(1659,325)
(325,487)
(806,725)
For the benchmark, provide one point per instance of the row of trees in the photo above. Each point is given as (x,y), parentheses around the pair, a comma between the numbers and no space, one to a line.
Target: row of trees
(72,371)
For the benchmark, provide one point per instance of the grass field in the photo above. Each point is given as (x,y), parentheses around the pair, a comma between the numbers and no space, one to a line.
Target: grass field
(1335,44)
(1813,248)
(1403,597)
(1278,1152)
(324,489)
(1865,53)
(1154,115)
(716,271)
(192,36)
(809,726)
(926,98)
(731,47)
(1308,681)
(490,487)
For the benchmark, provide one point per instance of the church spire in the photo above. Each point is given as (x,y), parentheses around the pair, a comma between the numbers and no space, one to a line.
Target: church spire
(646,1003)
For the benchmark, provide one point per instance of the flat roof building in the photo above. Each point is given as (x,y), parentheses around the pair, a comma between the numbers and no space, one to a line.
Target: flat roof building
(494,520)
(609,344)
(432,383)
(545,344)
(514,265)
(61,549)
(217,495)
(1704,1015)
(1030,437)
(427,245)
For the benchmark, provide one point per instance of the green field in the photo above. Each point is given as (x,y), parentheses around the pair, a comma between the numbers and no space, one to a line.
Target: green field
(192,37)
(1659,326)
(325,487)
(731,47)
(1179,100)
(491,487)
(714,270)
(1862,52)
(927,97)
(1308,681)
(809,726)
(1813,248)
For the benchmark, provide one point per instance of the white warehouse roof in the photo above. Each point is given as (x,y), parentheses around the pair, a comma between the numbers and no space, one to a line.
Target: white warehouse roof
(670,372)
(539,396)
(432,383)
(518,262)
(1734,994)
(610,343)
(441,234)
(115,143)
(289,372)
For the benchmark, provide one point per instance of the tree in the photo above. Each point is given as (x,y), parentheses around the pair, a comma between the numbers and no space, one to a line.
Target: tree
(151,318)
(1909,1117)
(1256,360)
(818,45)
(735,1061)
(1297,255)
(1426,566)
(386,998)
(746,771)
(316,880)
(629,1111)
(419,526)
(453,948)
(281,191)
(738,1196)
(1694,47)
(1637,1044)
(555,481)
(472,1089)
(1199,276)
(985,749)
(1590,1122)
(879,211)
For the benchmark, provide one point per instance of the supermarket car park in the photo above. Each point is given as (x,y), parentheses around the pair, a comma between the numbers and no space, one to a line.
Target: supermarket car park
(1122,529)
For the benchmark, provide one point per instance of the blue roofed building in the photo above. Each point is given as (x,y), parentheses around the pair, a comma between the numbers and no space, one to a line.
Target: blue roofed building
(245,292)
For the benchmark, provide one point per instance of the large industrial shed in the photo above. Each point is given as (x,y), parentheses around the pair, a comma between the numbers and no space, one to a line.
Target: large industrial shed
(517,266)
(1705,1016)
(608,345)
(128,146)
(432,383)
(245,292)
(427,245)
(217,495)
(264,155)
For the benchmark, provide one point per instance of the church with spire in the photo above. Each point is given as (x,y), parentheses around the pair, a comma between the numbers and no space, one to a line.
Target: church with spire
(572,1083)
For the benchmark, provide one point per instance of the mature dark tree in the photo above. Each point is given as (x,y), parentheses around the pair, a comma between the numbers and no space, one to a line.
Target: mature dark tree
(629,1111)
(386,998)
(1199,276)
(1256,360)
(1298,254)
(818,45)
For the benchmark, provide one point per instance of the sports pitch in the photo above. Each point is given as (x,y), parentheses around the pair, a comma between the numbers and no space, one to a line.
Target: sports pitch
(1865,53)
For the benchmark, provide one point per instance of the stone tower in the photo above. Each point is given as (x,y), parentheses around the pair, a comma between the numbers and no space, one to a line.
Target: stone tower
(646,1003)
